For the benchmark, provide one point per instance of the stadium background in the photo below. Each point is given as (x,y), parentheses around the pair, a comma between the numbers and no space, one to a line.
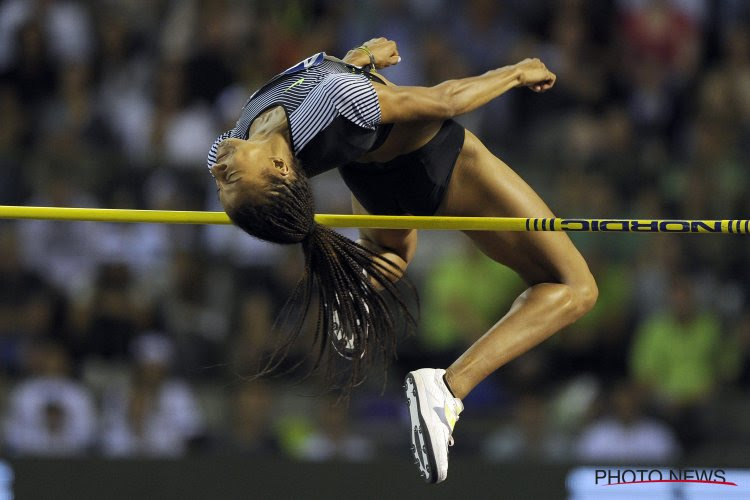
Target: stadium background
(133,341)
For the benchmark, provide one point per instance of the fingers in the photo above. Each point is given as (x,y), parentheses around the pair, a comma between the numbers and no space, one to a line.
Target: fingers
(385,52)
(538,77)
(543,85)
(394,58)
(390,51)
(378,43)
(549,82)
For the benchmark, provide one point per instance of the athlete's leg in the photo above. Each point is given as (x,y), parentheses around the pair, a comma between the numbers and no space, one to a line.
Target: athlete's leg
(561,287)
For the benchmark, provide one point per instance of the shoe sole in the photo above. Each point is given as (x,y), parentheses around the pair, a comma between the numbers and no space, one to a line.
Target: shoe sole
(421,444)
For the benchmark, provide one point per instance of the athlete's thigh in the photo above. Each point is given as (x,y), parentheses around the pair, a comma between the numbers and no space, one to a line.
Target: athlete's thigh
(403,242)
(482,185)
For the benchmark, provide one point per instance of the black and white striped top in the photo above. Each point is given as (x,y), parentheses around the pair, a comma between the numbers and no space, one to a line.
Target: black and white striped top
(331,107)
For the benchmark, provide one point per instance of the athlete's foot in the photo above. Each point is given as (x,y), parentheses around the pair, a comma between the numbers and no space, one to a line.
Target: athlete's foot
(433,411)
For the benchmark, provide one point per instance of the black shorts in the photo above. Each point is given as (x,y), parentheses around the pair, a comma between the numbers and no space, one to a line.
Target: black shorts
(413,183)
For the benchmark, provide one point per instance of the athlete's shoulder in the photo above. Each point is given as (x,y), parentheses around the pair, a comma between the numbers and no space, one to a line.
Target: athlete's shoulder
(309,62)
(304,64)
(344,86)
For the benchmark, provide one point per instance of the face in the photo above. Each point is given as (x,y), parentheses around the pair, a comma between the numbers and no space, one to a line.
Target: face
(245,168)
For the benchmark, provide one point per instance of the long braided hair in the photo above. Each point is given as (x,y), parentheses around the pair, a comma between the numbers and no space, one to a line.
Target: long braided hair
(354,293)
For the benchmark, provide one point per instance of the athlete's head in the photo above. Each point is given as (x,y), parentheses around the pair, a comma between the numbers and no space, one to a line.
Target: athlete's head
(267,194)
(251,170)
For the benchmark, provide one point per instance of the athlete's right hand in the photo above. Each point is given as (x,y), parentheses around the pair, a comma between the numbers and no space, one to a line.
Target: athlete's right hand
(535,75)
(385,52)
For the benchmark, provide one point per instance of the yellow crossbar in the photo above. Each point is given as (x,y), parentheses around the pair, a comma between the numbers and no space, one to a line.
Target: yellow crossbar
(727,226)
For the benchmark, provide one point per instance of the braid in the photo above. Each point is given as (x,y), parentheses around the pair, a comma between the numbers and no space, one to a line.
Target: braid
(345,277)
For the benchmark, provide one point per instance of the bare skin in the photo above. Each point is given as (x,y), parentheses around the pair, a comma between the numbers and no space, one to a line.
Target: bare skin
(561,287)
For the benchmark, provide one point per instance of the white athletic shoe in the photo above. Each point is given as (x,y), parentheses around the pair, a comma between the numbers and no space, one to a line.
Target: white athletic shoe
(434,412)
(344,342)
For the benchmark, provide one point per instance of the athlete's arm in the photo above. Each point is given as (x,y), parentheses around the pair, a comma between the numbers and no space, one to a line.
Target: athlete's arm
(455,97)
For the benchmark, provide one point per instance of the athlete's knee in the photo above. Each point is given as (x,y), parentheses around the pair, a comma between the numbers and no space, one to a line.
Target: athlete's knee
(399,249)
(573,299)
(392,265)
(584,294)
(391,262)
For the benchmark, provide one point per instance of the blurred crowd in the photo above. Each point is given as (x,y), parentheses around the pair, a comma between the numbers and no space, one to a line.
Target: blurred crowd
(141,340)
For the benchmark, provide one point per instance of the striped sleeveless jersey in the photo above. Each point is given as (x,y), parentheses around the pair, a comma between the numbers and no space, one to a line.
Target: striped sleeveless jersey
(331,107)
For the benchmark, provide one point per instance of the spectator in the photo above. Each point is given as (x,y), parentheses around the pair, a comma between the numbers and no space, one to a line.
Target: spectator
(527,436)
(108,321)
(463,295)
(198,323)
(60,251)
(253,327)
(14,138)
(680,353)
(110,104)
(250,428)
(180,127)
(666,32)
(155,415)
(49,414)
(333,439)
(484,33)
(626,434)
(29,67)
(30,309)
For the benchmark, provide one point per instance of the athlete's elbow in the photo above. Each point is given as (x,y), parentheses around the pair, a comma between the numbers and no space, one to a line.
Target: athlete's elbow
(447,100)
(406,104)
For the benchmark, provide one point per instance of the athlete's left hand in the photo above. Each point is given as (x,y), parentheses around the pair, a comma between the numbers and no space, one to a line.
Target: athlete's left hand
(385,52)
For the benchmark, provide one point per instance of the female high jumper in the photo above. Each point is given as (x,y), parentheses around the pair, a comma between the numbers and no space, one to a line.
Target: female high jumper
(400,152)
